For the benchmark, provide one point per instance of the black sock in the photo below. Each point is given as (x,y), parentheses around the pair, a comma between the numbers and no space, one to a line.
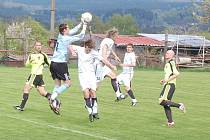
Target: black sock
(87,102)
(24,100)
(115,85)
(130,93)
(168,113)
(170,104)
(48,95)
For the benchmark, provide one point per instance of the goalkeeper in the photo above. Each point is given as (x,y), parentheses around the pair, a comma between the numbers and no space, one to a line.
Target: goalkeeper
(36,61)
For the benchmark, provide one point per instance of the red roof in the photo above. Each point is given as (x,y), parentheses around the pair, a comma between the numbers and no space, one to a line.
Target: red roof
(135,40)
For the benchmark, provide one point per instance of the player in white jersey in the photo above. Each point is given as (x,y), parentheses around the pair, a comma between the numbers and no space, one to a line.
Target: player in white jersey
(102,71)
(86,69)
(127,74)
(58,66)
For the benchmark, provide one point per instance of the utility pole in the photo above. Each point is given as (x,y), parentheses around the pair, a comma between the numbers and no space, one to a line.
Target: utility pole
(52,21)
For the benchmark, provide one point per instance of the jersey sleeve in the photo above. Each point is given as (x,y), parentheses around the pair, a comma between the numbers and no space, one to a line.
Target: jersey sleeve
(75,29)
(168,71)
(75,38)
(133,59)
(175,71)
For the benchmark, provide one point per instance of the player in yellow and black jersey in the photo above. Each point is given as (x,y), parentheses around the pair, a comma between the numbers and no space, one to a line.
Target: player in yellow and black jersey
(36,61)
(169,84)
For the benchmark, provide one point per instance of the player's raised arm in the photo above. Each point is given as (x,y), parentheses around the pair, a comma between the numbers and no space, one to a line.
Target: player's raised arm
(75,29)
(79,36)
(115,56)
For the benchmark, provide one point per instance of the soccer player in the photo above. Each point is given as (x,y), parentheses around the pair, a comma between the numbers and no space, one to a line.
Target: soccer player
(58,66)
(86,69)
(102,71)
(169,84)
(126,76)
(36,60)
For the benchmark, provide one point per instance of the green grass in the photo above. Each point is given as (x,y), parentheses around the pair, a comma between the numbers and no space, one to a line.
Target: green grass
(118,121)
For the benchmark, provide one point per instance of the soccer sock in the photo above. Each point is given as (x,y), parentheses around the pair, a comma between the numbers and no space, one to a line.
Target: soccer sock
(168,113)
(170,104)
(88,105)
(48,95)
(54,95)
(116,87)
(55,88)
(130,93)
(62,88)
(95,105)
(24,100)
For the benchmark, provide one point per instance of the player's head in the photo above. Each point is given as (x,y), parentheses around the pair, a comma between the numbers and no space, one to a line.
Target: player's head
(169,54)
(38,46)
(112,33)
(63,28)
(129,47)
(89,45)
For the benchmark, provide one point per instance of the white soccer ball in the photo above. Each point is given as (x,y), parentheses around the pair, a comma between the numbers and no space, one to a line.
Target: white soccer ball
(87,17)
(122,96)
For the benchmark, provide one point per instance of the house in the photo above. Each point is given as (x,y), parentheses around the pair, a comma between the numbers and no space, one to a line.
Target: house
(145,48)
(190,49)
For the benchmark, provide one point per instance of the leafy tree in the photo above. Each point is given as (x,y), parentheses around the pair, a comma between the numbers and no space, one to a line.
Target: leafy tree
(97,25)
(125,24)
(201,14)
(37,30)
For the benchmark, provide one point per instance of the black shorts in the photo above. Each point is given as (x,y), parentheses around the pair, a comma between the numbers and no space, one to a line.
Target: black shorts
(59,71)
(35,80)
(167,92)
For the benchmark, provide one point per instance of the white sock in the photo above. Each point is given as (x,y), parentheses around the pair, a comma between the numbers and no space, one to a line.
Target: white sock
(118,94)
(134,100)
(89,110)
(54,95)
(95,108)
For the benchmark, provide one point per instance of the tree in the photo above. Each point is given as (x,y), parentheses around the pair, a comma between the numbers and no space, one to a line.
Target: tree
(97,25)
(125,24)
(37,30)
(201,13)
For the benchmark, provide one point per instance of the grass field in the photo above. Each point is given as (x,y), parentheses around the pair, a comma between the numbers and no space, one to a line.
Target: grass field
(118,121)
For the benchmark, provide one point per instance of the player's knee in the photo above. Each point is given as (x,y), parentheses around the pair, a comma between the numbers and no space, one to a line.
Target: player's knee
(26,89)
(68,83)
(127,89)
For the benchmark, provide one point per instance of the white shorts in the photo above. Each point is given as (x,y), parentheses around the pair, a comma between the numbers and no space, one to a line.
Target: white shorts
(124,78)
(87,80)
(101,72)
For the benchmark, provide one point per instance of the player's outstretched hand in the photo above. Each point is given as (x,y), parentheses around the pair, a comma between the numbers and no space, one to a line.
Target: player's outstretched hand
(83,21)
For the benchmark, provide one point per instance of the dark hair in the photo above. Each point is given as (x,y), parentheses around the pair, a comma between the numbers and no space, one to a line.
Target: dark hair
(62,27)
(89,43)
(110,33)
(130,44)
